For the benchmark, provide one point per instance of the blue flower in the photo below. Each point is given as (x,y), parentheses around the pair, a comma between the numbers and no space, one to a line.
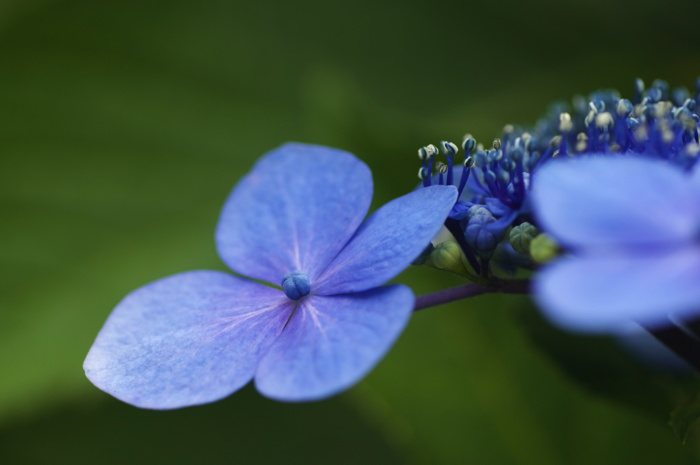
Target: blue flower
(495,182)
(500,176)
(632,227)
(656,123)
(296,221)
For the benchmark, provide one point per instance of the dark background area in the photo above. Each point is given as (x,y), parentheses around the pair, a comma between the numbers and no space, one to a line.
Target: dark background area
(124,125)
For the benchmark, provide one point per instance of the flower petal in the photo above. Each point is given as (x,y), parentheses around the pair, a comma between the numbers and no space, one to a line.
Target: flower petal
(615,200)
(294,211)
(388,241)
(601,293)
(332,342)
(188,339)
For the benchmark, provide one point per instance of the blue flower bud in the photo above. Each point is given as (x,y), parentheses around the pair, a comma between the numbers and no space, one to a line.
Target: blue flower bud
(679,96)
(490,176)
(495,154)
(532,144)
(507,164)
(515,154)
(296,285)
(479,238)
(476,210)
(654,95)
(480,159)
(663,87)
(532,160)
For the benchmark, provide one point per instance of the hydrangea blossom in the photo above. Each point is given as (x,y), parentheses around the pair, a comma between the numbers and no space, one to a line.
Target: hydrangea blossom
(295,220)
(494,184)
(632,226)
(657,123)
(492,187)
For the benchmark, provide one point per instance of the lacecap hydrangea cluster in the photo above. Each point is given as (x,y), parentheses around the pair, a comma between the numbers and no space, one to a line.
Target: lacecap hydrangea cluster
(493,221)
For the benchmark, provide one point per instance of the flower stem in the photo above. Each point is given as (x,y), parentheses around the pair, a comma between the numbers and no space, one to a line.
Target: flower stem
(507,286)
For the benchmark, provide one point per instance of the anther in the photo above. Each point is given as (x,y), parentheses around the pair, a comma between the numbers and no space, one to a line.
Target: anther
(603,120)
(581,142)
(468,145)
(422,154)
(565,123)
(448,148)
(624,107)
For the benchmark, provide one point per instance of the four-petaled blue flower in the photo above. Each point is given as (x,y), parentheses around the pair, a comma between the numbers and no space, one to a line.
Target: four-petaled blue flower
(632,226)
(295,221)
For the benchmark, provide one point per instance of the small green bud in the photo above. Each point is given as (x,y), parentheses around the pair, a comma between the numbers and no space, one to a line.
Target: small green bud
(543,248)
(448,256)
(521,236)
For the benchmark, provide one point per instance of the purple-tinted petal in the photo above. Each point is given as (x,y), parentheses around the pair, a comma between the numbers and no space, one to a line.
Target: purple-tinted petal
(188,339)
(600,293)
(294,211)
(332,342)
(460,210)
(388,241)
(615,200)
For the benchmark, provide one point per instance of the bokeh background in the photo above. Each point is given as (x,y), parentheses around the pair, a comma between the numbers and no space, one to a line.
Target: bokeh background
(124,125)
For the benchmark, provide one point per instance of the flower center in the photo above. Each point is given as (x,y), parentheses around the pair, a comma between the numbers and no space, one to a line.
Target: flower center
(296,285)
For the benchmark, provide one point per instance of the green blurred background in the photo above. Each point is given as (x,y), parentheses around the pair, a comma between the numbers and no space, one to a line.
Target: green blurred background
(124,125)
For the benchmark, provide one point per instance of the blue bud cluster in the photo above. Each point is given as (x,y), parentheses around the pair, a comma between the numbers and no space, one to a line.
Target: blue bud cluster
(657,122)
(493,183)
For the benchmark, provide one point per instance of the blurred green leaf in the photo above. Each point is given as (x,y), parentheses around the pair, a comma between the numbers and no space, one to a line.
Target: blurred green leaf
(684,417)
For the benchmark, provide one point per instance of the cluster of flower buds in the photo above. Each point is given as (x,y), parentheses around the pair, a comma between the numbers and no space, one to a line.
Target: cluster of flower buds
(657,123)
(493,183)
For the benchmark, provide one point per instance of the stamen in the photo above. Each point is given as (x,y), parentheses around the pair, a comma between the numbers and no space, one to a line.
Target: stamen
(449,149)
(441,168)
(624,108)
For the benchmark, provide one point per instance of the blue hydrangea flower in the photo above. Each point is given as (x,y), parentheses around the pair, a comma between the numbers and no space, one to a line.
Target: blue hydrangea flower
(632,227)
(295,220)
(657,123)
(494,182)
